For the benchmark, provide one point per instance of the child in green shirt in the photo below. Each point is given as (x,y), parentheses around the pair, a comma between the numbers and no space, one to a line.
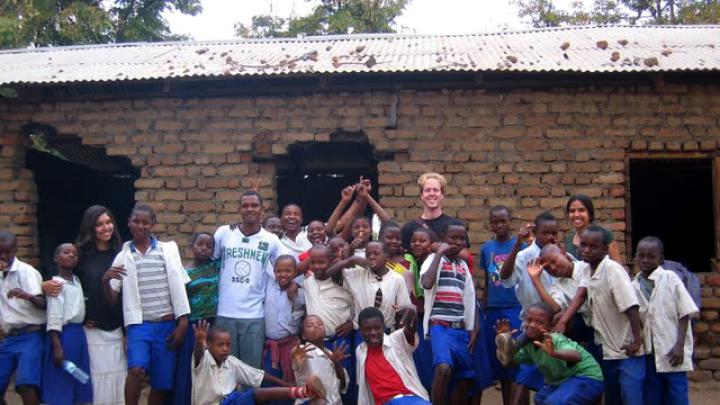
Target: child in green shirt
(571,374)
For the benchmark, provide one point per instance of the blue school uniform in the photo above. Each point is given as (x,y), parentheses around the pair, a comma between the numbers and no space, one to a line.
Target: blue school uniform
(59,387)
(22,353)
(423,357)
(245,397)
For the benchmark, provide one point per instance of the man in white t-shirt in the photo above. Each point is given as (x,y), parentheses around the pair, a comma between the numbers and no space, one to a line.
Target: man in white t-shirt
(248,254)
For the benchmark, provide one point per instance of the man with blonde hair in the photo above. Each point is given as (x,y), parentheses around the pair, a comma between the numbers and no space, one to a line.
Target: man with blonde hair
(432,191)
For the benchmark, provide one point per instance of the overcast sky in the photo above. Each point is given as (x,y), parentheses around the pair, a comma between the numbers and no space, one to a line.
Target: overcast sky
(421,16)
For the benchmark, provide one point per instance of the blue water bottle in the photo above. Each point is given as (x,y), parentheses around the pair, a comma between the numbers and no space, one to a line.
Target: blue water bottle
(75,371)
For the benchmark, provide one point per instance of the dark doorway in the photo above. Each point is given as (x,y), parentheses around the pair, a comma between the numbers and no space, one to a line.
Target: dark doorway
(71,177)
(313,174)
(673,200)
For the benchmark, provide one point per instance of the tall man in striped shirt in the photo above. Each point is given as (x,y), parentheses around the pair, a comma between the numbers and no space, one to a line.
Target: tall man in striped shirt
(450,314)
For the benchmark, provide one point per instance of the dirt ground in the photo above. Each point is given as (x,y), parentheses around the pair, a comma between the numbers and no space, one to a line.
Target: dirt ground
(700,394)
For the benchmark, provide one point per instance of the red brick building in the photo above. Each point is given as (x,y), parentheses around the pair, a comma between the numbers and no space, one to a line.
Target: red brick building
(627,115)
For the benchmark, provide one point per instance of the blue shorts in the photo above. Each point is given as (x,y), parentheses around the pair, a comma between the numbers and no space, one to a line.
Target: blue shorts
(246,397)
(449,346)
(408,400)
(25,353)
(491,317)
(148,349)
(480,357)
(529,376)
(572,391)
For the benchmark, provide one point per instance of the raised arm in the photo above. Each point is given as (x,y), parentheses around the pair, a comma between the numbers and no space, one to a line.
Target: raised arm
(364,194)
(201,330)
(429,277)
(338,267)
(345,198)
(535,270)
(409,322)
(509,264)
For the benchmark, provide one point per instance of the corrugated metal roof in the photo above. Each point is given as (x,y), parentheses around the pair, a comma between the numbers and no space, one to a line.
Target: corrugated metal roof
(568,49)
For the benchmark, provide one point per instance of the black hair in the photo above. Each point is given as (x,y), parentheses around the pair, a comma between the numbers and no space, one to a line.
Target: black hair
(606,235)
(286,257)
(318,221)
(249,193)
(385,248)
(7,236)
(291,205)
(85,241)
(544,216)
(446,226)
(499,208)
(269,217)
(216,330)
(543,307)
(387,225)
(325,248)
(370,313)
(427,231)
(145,208)
(654,239)
(369,221)
(199,234)
(59,247)
(586,202)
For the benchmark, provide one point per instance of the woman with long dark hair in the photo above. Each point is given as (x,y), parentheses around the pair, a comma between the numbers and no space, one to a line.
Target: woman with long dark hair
(97,244)
(581,214)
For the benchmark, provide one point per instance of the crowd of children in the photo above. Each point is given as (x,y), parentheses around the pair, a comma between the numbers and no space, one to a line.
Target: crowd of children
(337,312)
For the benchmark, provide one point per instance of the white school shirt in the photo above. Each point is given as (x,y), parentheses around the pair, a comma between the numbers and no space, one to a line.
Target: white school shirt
(319,364)
(295,247)
(669,302)
(247,265)
(563,289)
(468,295)
(525,290)
(609,294)
(68,306)
(332,303)
(176,278)
(282,316)
(364,284)
(15,312)
(212,383)
(399,353)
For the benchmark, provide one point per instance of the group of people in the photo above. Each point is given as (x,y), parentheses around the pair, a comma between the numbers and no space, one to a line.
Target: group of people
(339,312)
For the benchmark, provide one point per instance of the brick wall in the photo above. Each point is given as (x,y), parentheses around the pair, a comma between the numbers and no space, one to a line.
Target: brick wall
(528,149)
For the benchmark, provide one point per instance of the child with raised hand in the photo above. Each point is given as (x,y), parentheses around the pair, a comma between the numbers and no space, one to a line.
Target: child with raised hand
(66,336)
(665,308)
(313,358)
(217,374)
(155,305)
(284,306)
(202,291)
(450,314)
(22,319)
(571,374)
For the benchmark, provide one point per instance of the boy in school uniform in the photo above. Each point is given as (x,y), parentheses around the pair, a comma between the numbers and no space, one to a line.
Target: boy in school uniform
(22,320)
(614,313)
(665,308)
(216,374)
(572,375)
(386,372)
(450,314)
(155,305)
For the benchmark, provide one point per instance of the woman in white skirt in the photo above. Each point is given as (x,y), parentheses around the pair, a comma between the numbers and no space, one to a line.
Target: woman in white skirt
(98,242)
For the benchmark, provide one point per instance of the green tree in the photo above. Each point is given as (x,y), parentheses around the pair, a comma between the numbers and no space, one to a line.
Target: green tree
(68,22)
(329,17)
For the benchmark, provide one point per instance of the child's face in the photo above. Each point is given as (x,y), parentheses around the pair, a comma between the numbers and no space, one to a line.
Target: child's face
(391,239)
(313,329)
(273,225)
(250,209)
(457,239)
(648,256)
(431,194)
(372,331)
(7,254)
(500,223)
(537,323)
(546,233)
(66,257)
(340,248)
(592,248)
(375,256)
(316,232)
(578,215)
(361,229)
(284,272)
(319,263)
(104,228)
(291,218)
(219,346)
(203,248)
(141,224)
(557,264)
(420,244)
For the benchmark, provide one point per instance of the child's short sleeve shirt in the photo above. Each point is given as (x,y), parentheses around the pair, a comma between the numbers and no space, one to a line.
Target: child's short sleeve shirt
(211,383)
(555,371)
(15,312)
(492,257)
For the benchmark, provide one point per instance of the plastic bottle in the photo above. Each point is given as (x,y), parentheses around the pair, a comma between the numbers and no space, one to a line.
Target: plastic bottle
(75,371)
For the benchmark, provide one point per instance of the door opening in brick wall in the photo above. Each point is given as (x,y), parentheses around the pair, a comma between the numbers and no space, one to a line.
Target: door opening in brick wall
(313,174)
(71,177)
(673,200)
